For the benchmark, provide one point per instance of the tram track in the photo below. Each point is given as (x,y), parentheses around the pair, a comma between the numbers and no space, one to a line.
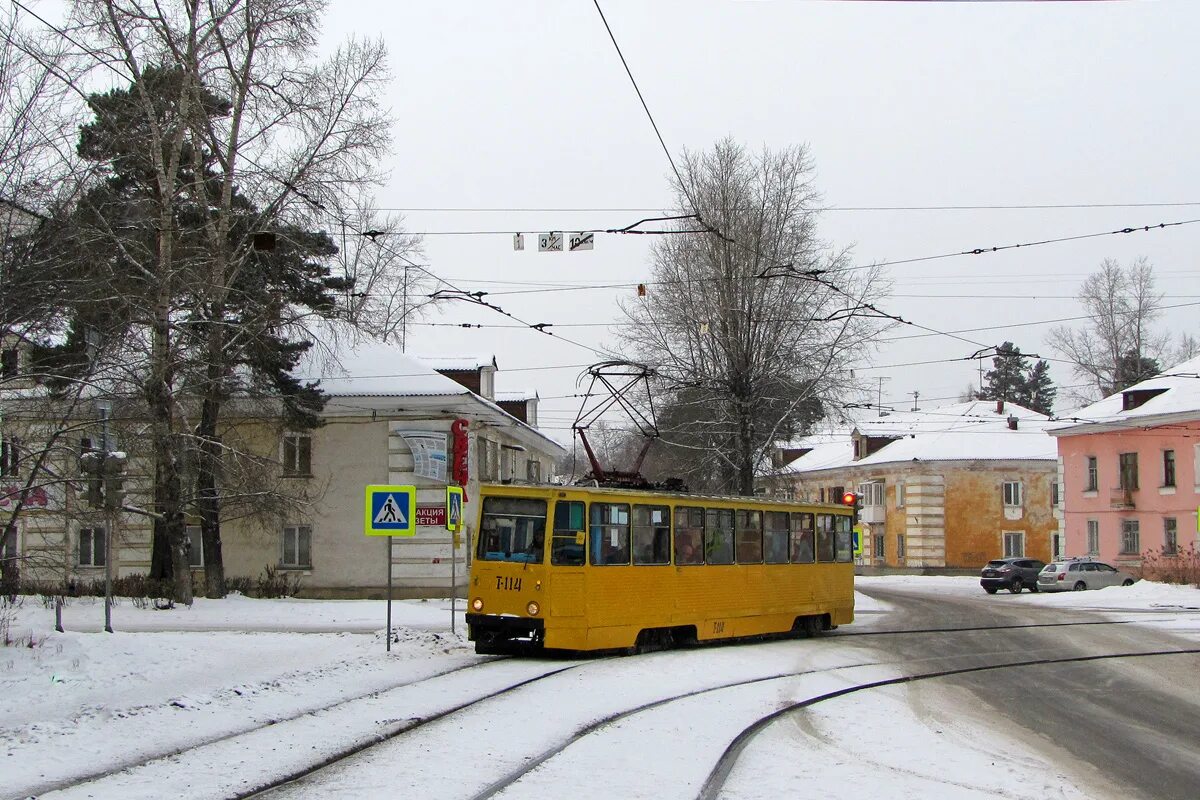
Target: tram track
(233,736)
(719,774)
(534,761)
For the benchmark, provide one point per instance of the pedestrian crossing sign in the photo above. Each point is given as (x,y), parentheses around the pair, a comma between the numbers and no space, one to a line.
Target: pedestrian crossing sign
(390,511)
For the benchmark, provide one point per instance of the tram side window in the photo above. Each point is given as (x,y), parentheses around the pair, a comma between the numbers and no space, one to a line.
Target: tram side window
(567,543)
(512,529)
(841,537)
(689,535)
(651,535)
(610,534)
(749,537)
(775,537)
(825,537)
(718,536)
(802,537)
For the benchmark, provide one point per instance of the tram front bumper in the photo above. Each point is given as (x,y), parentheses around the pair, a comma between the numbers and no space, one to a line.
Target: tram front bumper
(492,633)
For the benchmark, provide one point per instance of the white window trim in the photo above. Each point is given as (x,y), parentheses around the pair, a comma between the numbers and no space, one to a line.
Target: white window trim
(901,491)
(1004,539)
(199,540)
(79,563)
(296,470)
(1020,492)
(283,562)
(1088,530)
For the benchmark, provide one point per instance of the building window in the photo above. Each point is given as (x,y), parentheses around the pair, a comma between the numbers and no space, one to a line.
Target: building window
(1012,494)
(835,493)
(1014,544)
(534,471)
(900,494)
(899,546)
(1055,495)
(297,454)
(1168,468)
(91,547)
(1170,537)
(1130,538)
(1128,463)
(9,360)
(879,547)
(1093,537)
(10,451)
(1093,474)
(297,547)
(872,493)
(195,545)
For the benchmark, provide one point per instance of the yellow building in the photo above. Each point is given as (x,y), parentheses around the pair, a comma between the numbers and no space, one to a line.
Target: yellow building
(945,488)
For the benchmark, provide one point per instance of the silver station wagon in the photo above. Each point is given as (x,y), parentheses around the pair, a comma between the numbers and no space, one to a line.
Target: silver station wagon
(1079,574)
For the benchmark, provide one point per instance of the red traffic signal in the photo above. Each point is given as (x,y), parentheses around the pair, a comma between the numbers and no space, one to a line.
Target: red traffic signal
(850,499)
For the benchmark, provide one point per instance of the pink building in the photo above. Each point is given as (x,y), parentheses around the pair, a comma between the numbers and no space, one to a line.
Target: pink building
(1130,470)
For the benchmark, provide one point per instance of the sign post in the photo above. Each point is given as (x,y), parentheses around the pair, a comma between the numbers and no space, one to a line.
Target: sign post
(454,524)
(390,511)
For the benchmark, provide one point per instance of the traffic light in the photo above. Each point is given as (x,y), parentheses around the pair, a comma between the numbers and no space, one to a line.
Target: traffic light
(852,499)
(90,465)
(114,480)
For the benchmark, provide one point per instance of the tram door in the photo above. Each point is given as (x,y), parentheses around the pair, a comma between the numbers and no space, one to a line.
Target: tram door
(568,554)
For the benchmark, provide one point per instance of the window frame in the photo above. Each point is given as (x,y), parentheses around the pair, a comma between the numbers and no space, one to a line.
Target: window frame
(532,553)
(1014,491)
(720,536)
(10,363)
(198,533)
(1008,537)
(568,537)
(826,525)
(1170,536)
(296,455)
(801,537)
(1130,532)
(97,553)
(663,528)
(1093,537)
(900,547)
(296,531)
(1168,465)
(1092,482)
(772,533)
(879,547)
(901,498)
(748,536)
(694,533)
(596,543)
(10,456)
(1127,471)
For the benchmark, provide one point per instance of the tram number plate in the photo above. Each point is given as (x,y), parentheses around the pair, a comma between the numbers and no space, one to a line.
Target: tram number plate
(509,584)
(718,626)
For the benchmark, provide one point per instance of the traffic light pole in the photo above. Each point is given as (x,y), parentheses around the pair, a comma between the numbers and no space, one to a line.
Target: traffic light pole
(110,522)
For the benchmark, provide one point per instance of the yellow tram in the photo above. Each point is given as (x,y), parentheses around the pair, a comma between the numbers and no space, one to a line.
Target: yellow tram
(578,568)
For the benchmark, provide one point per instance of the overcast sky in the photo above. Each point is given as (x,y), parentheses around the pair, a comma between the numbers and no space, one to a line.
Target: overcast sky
(525,105)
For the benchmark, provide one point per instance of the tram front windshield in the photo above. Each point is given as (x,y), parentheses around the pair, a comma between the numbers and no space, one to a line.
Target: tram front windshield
(512,529)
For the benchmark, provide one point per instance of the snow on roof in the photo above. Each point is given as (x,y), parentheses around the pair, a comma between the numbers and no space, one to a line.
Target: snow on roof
(963,431)
(376,368)
(460,363)
(519,396)
(1180,394)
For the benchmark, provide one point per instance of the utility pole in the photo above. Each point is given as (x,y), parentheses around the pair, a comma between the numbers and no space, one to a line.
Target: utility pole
(879,394)
(104,407)
(915,395)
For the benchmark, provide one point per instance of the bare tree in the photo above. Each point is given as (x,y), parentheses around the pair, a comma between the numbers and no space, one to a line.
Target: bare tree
(1118,346)
(752,329)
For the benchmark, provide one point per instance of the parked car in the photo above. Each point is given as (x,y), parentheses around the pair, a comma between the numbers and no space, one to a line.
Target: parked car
(1079,574)
(1013,574)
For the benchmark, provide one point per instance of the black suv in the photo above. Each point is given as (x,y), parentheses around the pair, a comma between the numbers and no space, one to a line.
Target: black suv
(1013,574)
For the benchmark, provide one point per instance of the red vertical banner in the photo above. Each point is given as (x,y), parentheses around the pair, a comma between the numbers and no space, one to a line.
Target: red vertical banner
(459,469)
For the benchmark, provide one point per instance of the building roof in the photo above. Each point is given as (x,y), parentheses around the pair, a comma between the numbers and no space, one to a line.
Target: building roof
(516,397)
(1180,396)
(459,363)
(961,432)
(374,368)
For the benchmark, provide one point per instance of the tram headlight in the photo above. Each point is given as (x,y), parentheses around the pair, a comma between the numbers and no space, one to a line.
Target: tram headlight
(533,608)
(477,604)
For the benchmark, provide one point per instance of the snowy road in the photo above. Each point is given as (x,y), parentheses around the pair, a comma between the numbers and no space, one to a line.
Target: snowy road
(645,726)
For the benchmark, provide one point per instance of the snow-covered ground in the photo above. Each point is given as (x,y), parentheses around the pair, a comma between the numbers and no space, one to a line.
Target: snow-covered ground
(252,678)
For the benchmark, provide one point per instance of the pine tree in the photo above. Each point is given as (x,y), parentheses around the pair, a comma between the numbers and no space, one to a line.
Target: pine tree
(1012,378)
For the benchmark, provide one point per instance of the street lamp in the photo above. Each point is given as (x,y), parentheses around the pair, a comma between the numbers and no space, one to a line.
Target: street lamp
(104,409)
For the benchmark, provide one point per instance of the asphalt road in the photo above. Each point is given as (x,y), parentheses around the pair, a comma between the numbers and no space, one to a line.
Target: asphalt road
(1133,723)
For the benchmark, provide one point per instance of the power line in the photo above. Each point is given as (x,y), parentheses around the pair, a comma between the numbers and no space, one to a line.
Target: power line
(822,209)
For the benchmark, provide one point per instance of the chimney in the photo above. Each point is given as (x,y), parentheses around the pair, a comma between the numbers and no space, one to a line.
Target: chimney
(1000,406)
(1012,422)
